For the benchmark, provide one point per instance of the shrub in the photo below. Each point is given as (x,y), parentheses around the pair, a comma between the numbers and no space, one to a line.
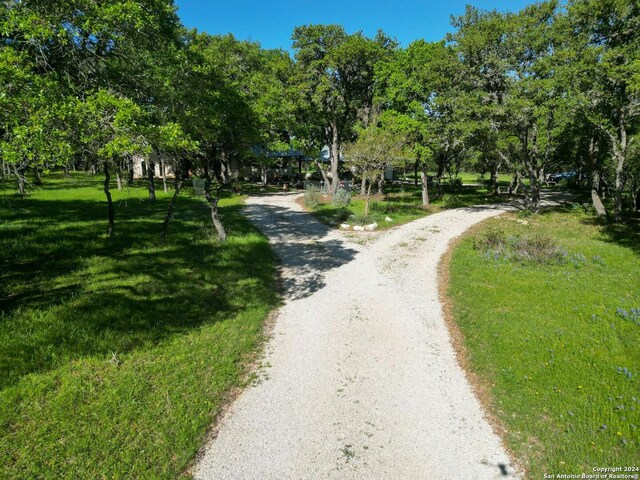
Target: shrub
(456,183)
(360,220)
(523,248)
(312,197)
(583,208)
(383,207)
(341,198)
(448,200)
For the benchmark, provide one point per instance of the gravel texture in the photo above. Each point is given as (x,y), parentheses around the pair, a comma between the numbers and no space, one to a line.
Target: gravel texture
(360,378)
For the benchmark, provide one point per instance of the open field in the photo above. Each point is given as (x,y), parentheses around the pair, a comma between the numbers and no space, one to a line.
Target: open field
(116,353)
(554,341)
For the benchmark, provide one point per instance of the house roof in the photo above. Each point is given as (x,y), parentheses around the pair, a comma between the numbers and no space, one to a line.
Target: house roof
(286,154)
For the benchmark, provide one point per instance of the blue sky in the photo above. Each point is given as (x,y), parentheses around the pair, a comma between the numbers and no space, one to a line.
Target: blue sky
(271,22)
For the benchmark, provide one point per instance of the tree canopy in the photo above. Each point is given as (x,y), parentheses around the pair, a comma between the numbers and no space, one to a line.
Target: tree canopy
(554,87)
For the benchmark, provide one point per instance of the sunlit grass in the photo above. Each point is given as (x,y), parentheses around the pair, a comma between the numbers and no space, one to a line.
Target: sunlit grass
(117,353)
(553,343)
(402,204)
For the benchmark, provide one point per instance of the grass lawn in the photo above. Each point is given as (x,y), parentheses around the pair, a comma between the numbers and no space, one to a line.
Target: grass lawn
(117,353)
(402,203)
(467,178)
(556,343)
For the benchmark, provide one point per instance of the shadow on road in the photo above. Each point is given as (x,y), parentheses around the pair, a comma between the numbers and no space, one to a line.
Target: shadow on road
(306,249)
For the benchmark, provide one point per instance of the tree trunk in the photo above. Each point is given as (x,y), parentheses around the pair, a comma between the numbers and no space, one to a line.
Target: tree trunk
(531,162)
(381,184)
(495,168)
(164,177)
(363,186)
(327,182)
(595,198)
(20,179)
(130,171)
(172,203)
(368,199)
(620,158)
(118,179)
(595,179)
(515,184)
(213,205)
(66,170)
(335,159)
(263,175)
(425,188)
(415,173)
(619,143)
(541,175)
(38,176)
(152,188)
(107,178)
(532,195)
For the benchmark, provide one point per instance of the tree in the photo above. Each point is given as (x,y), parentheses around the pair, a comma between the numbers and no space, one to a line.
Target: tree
(33,117)
(336,80)
(376,147)
(480,44)
(604,65)
(417,89)
(111,127)
(215,110)
(539,113)
(273,102)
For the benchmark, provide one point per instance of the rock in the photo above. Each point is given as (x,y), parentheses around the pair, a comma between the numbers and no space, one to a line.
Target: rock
(371,227)
(522,222)
(345,226)
(388,219)
(358,228)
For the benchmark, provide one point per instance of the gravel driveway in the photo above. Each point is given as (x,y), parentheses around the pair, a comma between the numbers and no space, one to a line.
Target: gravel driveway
(361,379)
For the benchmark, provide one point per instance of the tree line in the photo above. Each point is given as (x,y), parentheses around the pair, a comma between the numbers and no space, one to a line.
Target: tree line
(91,84)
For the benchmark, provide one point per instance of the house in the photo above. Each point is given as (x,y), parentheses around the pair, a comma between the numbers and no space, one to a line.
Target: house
(161,166)
(270,164)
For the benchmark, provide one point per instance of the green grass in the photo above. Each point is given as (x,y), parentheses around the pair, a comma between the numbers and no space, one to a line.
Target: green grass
(467,178)
(550,344)
(117,353)
(402,203)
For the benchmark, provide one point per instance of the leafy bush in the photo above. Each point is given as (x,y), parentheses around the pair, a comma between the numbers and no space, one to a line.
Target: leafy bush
(583,208)
(390,208)
(448,200)
(383,207)
(535,248)
(341,198)
(312,197)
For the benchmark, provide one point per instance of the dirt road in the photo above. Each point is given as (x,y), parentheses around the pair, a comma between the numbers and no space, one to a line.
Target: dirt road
(361,379)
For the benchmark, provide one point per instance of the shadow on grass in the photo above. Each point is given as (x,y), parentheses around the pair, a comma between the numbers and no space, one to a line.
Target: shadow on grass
(68,291)
(625,233)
